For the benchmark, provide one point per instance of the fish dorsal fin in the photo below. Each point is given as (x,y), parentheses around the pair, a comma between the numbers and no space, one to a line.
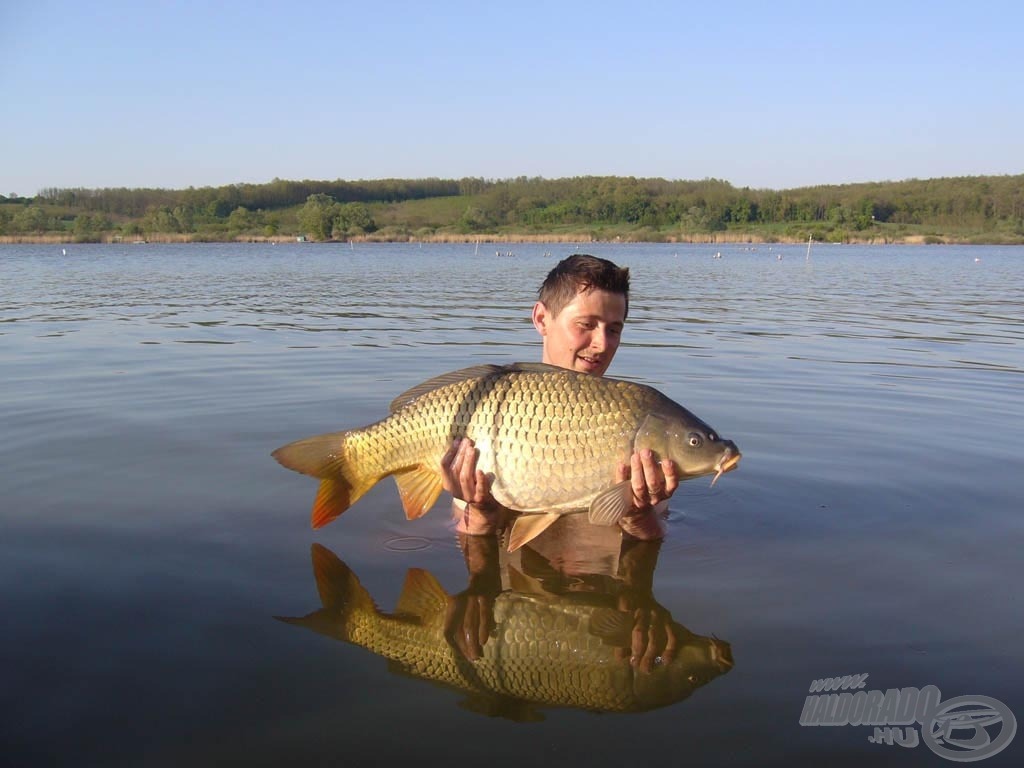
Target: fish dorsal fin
(507,707)
(610,505)
(536,368)
(473,372)
(419,488)
(528,527)
(422,596)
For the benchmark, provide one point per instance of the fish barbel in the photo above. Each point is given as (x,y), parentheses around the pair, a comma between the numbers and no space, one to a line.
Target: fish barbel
(549,438)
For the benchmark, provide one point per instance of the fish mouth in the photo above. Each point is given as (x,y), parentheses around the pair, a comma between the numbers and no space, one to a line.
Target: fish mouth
(721,654)
(727,463)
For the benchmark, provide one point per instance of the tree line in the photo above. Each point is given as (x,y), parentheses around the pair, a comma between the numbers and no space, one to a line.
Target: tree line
(653,208)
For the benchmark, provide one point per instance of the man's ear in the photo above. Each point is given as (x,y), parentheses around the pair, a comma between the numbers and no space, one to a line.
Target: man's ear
(540,318)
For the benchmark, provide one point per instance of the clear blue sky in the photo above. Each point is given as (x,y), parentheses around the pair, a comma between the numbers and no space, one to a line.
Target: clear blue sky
(762,94)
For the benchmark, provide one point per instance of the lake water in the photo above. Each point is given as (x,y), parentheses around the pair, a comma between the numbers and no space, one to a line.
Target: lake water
(149,540)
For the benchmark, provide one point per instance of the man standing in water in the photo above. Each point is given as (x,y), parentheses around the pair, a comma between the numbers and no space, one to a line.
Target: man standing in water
(580,314)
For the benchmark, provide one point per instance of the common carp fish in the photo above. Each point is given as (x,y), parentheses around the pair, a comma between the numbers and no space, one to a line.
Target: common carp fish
(549,438)
(545,651)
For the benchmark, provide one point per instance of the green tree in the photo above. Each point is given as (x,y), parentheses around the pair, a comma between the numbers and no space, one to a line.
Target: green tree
(183,215)
(159,219)
(475,219)
(353,219)
(218,209)
(240,219)
(273,225)
(30,220)
(85,227)
(316,217)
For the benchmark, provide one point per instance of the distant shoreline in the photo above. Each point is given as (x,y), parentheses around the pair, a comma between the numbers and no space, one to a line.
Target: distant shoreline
(710,238)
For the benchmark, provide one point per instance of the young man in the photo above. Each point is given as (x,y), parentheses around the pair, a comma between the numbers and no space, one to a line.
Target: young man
(580,313)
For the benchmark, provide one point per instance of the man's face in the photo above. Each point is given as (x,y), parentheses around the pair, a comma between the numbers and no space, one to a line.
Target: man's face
(585,334)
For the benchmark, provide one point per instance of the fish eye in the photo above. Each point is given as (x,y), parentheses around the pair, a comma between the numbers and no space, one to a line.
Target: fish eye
(695,440)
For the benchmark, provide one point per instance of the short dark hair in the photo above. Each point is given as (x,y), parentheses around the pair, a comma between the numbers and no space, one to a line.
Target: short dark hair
(578,273)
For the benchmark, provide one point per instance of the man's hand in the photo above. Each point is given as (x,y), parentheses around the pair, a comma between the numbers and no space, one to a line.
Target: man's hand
(459,475)
(653,641)
(653,483)
(469,615)
(478,514)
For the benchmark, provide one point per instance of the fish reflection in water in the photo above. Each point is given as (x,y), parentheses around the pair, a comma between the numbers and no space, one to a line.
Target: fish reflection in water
(526,636)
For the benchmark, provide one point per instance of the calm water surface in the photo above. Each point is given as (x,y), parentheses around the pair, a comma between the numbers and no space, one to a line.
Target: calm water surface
(149,540)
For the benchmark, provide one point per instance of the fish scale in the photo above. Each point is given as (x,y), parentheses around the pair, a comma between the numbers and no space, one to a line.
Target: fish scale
(560,665)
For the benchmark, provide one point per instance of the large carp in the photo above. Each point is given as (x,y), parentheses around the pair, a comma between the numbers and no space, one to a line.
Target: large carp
(549,438)
(545,650)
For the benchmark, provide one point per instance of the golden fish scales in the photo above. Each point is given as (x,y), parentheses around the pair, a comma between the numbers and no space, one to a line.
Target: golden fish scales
(550,439)
(541,439)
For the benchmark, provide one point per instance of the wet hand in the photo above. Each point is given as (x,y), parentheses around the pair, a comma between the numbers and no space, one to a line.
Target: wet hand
(461,478)
(469,621)
(653,641)
(475,511)
(652,482)
(469,615)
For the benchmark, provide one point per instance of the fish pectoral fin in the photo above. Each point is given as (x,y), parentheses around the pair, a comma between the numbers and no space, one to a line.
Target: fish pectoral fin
(528,527)
(610,505)
(419,488)
(422,596)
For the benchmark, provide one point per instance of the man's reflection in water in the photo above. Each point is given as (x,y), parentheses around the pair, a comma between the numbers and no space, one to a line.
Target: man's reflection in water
(572,556)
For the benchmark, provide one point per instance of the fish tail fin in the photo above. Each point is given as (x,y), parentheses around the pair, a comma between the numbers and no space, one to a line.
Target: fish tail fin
(337,584)
(341,595)
(333,497)
(341,483)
